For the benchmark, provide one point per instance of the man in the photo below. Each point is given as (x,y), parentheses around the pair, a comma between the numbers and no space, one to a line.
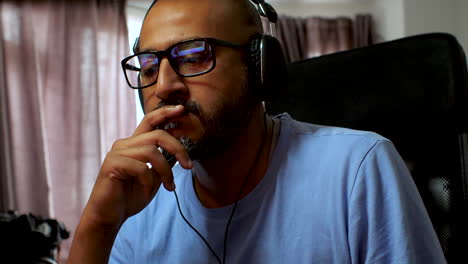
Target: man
(251,188)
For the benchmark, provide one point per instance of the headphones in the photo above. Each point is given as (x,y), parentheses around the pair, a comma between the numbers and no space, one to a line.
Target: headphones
(266,64)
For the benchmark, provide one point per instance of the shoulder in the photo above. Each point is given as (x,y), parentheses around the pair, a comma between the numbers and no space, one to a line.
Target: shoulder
(314,130)
(322,140)
(316,155)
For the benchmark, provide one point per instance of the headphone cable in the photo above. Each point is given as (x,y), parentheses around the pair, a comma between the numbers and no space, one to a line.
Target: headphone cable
(226,231)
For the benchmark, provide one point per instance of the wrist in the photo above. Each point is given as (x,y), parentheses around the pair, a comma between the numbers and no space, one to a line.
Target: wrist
(92,220)
(93,241)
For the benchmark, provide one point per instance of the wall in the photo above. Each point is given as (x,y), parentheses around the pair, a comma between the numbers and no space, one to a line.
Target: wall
(389,19)
(461,22)
(135,17)
(423,16)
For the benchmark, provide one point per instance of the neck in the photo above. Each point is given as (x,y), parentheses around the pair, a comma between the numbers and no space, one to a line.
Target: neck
(234,173)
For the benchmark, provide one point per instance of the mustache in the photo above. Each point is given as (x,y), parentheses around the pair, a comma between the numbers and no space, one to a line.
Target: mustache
(189,106)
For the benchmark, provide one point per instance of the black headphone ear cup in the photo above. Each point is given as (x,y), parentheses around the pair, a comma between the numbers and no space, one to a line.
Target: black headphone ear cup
(255,75)
(267,67)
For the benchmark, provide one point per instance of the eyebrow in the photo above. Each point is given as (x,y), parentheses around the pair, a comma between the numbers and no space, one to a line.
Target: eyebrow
(171,43)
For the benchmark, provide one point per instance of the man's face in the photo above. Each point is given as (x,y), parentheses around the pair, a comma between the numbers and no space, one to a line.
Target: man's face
(218,103)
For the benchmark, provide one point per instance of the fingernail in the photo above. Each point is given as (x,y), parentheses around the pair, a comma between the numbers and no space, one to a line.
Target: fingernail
(174,106)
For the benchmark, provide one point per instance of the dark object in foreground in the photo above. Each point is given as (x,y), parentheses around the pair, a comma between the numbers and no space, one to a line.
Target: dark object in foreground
(30,239)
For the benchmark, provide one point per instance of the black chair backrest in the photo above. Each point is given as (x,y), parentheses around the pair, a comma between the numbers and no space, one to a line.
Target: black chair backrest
(413,91)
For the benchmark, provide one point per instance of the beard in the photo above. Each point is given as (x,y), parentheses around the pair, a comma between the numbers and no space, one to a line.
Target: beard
(220,127)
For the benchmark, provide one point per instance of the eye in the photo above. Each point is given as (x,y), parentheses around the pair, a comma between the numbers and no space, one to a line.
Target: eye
(149,66)
(149,71)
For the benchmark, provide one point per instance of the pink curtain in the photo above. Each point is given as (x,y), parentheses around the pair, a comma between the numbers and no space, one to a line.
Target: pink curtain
(292,33)
(63,101)
(363,34)
(309,37)
(325,35)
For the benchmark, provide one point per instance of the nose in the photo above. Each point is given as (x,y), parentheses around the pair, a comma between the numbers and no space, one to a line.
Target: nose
(170,86)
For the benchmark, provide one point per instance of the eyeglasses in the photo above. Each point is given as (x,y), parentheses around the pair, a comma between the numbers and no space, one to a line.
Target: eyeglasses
(188,58)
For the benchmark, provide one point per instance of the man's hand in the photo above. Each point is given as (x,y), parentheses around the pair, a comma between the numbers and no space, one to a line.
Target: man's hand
(126,184)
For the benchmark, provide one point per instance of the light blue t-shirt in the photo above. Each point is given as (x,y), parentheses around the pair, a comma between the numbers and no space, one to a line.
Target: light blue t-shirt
(330,195)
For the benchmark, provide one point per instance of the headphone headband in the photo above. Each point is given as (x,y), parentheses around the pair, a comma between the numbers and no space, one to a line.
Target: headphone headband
(266,10)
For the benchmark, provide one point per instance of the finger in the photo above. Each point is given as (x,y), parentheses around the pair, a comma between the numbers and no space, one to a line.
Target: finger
(122,168)
(151,154)
(159,138)
(154,118)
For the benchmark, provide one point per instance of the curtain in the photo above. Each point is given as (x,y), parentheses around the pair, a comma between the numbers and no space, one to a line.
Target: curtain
(64,101)
(292,34)
(309,37)
(328,35)
(363,34)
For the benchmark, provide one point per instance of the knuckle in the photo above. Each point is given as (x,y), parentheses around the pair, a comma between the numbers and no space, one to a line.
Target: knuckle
(149,118)
(109,157)
(180,147)
(151,150)
(117,144)
(154,150)
(109,163)
(158,132)
(146,118)
(143,169)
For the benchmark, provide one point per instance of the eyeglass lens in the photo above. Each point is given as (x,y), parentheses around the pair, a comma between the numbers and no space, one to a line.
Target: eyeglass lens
(187,59)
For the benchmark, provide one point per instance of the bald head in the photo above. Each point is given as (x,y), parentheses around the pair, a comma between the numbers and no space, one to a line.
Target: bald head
(246,10)
(248,15)
(231,20)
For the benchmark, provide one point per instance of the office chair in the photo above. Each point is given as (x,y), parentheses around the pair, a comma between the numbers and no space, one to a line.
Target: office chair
(413,91)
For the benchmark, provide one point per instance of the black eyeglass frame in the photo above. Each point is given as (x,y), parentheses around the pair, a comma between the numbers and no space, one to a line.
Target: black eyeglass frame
(166,54)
